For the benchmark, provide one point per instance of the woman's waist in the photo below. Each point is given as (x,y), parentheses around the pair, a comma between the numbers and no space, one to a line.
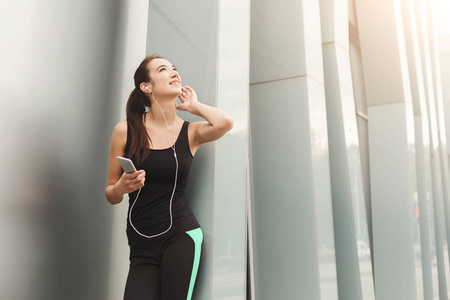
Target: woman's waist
(157,202)
(157,214)
(158,193)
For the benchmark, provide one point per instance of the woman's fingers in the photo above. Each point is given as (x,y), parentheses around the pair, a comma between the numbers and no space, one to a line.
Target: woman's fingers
(190,91)
(141,178)
(182,98)
(133,181)
(187,91)
(137,185)
(130,176)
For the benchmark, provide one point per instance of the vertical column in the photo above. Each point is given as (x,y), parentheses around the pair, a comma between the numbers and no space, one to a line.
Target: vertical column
(391,142)
(210,50)
(441,222)
(439,107)
(361,117)
(353,259)
(229,278)
(444,55)
(294,242)
(438,92)
(424,204)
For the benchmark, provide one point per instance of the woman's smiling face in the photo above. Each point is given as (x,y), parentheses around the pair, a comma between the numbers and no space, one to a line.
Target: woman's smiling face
(165,79)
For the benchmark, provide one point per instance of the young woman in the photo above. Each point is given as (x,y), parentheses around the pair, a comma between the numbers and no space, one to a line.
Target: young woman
(164,236)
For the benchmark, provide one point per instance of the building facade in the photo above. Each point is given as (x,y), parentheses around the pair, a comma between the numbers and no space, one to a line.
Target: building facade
(334,182)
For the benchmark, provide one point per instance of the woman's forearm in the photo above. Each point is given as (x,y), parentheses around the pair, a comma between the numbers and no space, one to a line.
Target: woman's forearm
(113,195)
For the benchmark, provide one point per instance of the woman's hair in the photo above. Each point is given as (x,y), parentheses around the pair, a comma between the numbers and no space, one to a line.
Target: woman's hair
(138,100)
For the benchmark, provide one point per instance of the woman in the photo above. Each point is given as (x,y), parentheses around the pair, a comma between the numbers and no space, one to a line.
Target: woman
(163,234)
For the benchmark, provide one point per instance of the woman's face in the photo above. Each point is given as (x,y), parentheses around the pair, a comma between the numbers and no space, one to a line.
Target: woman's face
(165,79)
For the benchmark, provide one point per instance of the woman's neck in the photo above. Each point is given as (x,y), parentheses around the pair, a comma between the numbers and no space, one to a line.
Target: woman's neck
(156,115)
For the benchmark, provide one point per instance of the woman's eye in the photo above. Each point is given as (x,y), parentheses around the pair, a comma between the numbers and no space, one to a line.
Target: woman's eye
(162,69)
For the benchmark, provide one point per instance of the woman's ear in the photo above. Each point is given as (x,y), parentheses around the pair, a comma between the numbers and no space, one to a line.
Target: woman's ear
(145,88)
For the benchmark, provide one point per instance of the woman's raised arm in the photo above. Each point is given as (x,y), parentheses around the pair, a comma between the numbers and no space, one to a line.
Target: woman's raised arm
(217,121)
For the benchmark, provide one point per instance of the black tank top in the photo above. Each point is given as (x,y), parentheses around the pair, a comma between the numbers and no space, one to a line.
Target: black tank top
(151,213)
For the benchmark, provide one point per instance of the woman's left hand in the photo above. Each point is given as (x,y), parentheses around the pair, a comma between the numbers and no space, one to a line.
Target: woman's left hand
(188,99)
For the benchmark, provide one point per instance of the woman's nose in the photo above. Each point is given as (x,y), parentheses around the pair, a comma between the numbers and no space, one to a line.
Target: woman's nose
(175,76)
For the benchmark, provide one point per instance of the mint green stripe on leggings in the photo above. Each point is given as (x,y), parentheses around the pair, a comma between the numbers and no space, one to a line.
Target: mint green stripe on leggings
(197,237)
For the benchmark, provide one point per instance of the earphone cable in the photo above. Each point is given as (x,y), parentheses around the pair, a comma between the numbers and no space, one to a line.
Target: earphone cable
(174,185)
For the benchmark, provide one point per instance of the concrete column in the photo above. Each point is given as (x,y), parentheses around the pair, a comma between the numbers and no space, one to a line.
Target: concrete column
(391,147)
(441,221)
(294,242)
(439,107)
(438,92)
(353,259)
(425,203)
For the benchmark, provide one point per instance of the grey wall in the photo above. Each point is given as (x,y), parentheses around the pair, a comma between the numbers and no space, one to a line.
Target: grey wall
(58,59)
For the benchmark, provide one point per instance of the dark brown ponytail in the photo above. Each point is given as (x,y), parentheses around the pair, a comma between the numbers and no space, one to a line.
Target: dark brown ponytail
(137,102)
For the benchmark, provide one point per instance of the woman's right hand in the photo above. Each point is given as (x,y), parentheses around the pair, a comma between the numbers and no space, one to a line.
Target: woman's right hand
(130,182)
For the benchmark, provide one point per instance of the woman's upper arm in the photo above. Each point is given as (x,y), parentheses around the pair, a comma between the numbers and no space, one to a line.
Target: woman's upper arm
(203,132)
(118,142)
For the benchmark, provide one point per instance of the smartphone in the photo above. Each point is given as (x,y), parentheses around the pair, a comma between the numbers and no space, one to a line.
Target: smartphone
(127,164)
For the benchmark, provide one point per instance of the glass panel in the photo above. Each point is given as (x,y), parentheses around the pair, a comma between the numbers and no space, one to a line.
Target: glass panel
(230,247)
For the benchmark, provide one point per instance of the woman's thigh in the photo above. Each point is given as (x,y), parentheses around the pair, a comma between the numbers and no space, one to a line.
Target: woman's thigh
(142,283)
(179,265)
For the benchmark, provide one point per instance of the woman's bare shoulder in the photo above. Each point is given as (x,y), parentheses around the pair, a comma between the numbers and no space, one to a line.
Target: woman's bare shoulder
(121,126)
(120,132)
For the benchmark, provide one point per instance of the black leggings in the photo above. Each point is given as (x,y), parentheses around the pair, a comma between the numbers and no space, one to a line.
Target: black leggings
(165,269)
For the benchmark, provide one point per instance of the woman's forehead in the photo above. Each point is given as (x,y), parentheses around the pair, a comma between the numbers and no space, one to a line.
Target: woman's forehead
(157,62)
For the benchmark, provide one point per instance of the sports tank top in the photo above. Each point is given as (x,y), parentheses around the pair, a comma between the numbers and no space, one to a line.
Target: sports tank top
(151,212)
